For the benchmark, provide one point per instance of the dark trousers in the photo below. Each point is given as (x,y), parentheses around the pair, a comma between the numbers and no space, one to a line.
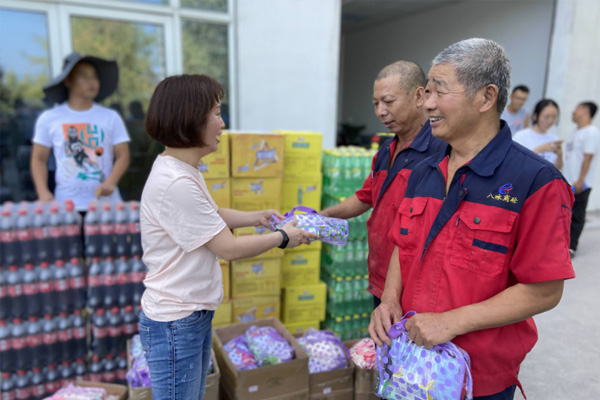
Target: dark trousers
(506,394)
(376,302)
(578,216)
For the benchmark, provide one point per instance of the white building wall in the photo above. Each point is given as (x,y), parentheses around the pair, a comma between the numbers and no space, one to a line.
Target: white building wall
(288,65)
(574,66)
(523,28)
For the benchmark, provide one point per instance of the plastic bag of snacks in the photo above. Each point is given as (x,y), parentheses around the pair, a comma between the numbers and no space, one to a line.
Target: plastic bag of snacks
(268,346)
(81,393)
(239,353)
(325,351)
(330,230)
(138,375)
(407,371)
(364,354)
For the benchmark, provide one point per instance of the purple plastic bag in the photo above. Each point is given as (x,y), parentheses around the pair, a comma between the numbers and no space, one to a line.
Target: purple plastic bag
(410,372)
(139,374)
(268,346)
(330,230)
(325,351)
(239,353)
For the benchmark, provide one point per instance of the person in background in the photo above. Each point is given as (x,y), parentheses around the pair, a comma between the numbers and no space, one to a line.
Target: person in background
(398,95)
(581,163)
(482,233)
(183,233)
(89,141)
(538,138)
(515,114)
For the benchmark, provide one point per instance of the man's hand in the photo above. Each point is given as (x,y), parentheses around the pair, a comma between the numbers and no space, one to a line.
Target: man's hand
(325,212)
(104,189)
(382,318)
(46,196)
(429,329)
(578,187)
(264,217)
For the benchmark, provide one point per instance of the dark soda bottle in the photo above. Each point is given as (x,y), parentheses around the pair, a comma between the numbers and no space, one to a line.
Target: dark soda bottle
(76,283)
(49,340)
(34,342)
(4,299)
(107,231)
(99,333)
(63,327)
(110,369)
(7,387)
(38,389)
(130,322)
(47,294)
(96,370)
(72,226)
(115,342)
(78,334)
(9,248)
(134,229)
(122,246)
(24,236)
(19,344)
(80,372)
(15,292)
(109,283)
(62,286)
(91,230)
(56,233)
(65,373)
(6,353)
(22,385)
(123,282)
(121,361)
(40,234)
(95,295)
(52,380)
(138,274)
(31,291)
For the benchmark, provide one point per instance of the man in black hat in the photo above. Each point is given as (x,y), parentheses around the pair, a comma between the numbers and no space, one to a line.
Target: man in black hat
(90,142)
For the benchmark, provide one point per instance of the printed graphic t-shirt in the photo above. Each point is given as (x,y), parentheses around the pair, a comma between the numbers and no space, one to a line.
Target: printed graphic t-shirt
(83,143)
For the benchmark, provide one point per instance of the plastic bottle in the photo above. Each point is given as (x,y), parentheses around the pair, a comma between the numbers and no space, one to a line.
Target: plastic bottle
(37,380)
(62,287)
(115,342)
(99,333)
(65,372)
(138,274)
(78,335)
(22,385)
(134,229)
(72,229)
(8,238)
(47,295)
(91,230)
(79,368)
(110,369)
(6,353)
(130,326)
(7,387)
(107,231)
(63,327)
(56,233)
(122,246)
(15,292)
(121,361)
(96,370)
(40,234)
(350,264)
(31,291)
(52,380)
(109,283)
(19,344)
(24,236)
(49,340)
(95,289)
(76,284)
(4,299)
(125,295)
(34,342)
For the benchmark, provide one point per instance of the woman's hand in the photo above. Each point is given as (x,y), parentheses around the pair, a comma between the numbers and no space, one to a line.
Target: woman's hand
(549,147)
(297,236)
(264,217)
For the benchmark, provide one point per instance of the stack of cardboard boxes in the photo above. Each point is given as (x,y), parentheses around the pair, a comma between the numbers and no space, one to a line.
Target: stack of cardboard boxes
(303,294)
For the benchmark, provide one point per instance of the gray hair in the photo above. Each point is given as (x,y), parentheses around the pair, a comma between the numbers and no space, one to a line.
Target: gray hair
(478,63)
(411,75)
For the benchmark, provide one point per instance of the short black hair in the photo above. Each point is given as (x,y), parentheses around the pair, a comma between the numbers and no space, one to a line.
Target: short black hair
(179,109)
(522,88)
(591,106)
(540,106)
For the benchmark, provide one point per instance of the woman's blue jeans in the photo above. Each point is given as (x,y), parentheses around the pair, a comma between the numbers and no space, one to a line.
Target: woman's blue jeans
(178,354)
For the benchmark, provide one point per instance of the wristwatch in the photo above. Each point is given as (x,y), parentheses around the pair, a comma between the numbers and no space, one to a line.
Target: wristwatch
(286,239)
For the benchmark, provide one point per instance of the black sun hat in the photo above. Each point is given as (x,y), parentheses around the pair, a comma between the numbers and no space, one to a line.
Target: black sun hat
(108,75)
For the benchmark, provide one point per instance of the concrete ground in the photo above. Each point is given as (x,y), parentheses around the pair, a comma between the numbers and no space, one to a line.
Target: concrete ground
(565,363)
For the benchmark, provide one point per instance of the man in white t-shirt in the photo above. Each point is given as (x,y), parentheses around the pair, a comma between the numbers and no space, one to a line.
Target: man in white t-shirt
(581,163)
(515,114)
(90,142)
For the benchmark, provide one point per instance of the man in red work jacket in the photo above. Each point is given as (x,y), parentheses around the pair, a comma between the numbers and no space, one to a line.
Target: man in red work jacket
(482,235)
(398,96)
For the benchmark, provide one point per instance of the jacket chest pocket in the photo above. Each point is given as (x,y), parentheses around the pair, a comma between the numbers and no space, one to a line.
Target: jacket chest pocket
(482,239)
(411,213)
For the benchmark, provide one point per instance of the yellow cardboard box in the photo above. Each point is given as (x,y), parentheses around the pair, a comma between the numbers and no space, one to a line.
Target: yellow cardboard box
(257,155)
(304,303)
(220,191)
(223,314)
(300,268)
(259,230)
(302,191)
(254,194)
(316,245)
(254,308)
(302,153)
(255,277)
(216,164)
(300,327)
(225,269)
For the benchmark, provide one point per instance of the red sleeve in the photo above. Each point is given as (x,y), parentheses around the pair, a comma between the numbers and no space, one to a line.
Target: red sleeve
(394,233)
(365,193)
(542,241)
